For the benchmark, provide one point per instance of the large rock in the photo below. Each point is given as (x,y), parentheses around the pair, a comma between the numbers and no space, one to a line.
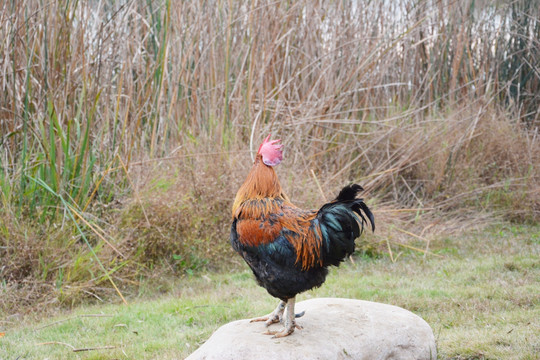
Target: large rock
(333,329)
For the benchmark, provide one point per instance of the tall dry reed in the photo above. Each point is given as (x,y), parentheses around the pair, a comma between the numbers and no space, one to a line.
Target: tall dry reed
(429,104)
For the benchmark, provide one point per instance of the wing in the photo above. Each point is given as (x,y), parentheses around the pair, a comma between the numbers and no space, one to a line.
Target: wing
(278,230)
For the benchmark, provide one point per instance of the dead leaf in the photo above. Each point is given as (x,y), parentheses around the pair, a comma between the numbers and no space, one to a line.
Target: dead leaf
(2,334)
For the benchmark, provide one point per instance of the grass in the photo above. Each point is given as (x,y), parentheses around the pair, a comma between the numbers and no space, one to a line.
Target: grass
(482,300)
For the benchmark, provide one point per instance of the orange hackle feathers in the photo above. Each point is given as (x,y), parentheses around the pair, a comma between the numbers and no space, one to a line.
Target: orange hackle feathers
(263,211)
(261,182)
(305,235)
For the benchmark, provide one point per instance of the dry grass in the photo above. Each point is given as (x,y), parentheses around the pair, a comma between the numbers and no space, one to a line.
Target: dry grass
(125,126)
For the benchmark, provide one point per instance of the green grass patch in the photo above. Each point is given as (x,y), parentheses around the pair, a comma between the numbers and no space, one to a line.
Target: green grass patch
(481,305)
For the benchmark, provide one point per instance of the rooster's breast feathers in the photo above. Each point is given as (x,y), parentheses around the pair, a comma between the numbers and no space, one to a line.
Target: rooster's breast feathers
(281,229)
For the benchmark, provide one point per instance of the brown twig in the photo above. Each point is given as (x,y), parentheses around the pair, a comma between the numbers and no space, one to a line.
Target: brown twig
(96,348)
(318,185)
(74,349)
(93,228)
(57,343)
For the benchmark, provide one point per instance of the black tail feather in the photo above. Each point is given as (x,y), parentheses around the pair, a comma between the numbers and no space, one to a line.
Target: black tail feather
(359,207)
(342,221)
(349,192)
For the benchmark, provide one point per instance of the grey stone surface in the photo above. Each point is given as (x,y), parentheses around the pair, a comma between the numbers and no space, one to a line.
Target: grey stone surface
(333,329)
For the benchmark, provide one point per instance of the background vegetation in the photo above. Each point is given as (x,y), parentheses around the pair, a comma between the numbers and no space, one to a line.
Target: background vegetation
(125,127)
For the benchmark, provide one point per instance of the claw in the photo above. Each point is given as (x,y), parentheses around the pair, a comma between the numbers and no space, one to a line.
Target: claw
(268,319)
(274,317)
(289,322)
(283,332)
(262,318)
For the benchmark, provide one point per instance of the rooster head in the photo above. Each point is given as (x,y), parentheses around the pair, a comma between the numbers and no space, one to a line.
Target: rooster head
(271,152)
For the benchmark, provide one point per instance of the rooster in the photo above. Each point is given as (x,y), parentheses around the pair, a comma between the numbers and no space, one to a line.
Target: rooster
(287,248)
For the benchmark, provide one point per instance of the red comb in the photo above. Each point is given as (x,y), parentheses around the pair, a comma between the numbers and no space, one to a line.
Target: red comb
(271,151)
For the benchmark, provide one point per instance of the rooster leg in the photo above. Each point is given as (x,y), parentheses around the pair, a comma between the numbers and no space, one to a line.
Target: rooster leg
(274,317)
(290,323)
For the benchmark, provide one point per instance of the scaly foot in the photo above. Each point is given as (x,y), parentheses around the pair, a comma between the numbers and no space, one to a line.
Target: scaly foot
(274,317)
(284,332)
(290,323)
